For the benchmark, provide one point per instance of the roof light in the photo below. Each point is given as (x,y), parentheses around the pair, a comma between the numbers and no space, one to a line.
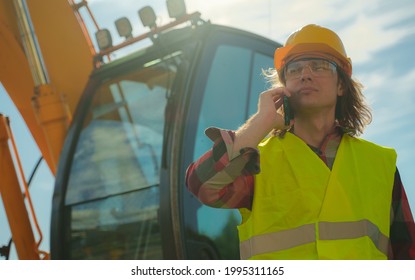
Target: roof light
(124,27)
(147,16)
(176,8)
(104,39)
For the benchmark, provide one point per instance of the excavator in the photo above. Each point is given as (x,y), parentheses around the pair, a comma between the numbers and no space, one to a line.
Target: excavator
(118,133)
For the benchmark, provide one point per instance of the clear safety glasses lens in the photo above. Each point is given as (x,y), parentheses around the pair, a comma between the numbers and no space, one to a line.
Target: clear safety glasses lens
(317,66)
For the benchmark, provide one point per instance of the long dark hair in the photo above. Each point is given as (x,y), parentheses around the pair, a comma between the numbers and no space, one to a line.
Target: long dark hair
(352,111)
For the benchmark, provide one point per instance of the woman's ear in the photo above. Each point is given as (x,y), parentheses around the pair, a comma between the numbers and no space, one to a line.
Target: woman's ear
(340,89)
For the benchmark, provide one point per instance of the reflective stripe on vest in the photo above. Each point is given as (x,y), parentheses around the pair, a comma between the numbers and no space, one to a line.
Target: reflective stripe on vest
(286,239)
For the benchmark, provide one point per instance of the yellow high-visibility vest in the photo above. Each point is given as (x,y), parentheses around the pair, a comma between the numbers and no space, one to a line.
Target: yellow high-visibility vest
(304,210)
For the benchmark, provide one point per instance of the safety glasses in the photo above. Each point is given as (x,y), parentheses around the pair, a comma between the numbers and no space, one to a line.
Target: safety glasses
(319,67)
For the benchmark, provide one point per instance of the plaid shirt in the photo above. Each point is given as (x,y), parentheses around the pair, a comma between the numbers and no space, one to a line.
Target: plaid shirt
(220,179)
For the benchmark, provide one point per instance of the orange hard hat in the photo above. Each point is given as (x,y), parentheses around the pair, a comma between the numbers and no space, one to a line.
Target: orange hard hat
(313,38)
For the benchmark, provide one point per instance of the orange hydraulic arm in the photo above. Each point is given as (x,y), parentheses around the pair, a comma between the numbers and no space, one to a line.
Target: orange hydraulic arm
(46,58)
(13,200)
(66,54)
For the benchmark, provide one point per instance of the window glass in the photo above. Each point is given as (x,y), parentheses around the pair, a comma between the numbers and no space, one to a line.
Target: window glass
(225,94)
(113,192)
(259,82)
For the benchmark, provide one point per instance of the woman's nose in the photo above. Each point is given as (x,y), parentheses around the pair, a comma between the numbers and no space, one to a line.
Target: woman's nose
(306,72)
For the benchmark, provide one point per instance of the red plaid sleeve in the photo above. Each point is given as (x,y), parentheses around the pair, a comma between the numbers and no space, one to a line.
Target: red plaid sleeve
(221,180)
(402,231)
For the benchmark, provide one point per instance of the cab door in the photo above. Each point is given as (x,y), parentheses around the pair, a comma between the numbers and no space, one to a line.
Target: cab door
(224,94)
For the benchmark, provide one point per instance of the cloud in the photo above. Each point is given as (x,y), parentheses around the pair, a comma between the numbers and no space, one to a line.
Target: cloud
(368,34)
(393,109)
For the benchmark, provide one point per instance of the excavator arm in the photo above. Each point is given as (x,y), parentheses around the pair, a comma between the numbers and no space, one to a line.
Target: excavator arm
(13,200)
(66,59)
(46,58)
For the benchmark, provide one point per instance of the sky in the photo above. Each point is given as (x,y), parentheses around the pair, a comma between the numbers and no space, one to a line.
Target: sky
(379,37)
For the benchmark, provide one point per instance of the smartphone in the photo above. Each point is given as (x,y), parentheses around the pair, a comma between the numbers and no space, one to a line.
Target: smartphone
(287,111)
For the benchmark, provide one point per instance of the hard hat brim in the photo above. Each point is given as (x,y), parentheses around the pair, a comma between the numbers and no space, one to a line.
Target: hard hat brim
(284,54)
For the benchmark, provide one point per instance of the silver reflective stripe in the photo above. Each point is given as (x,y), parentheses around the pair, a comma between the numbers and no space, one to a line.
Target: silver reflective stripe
(350,230)
(282,240)
(277,241)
